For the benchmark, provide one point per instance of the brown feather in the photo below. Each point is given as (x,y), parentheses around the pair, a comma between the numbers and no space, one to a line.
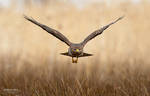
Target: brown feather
(53,32)
(98,32)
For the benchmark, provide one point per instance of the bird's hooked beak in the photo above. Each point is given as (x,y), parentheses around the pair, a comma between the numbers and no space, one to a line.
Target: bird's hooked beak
(77,50)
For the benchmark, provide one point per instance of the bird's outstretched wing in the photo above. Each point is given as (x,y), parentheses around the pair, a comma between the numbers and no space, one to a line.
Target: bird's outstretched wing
(50,30)
(98,32)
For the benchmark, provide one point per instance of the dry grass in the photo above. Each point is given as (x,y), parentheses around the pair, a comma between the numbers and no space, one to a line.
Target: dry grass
(30,60)
(118,79)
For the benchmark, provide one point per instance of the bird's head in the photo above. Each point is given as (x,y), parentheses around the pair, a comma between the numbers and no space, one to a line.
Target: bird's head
(76,49)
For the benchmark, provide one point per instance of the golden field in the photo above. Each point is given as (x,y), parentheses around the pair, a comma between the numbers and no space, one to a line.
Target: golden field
(30,59)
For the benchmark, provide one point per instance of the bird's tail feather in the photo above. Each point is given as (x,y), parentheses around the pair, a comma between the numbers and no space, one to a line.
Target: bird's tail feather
(83,55)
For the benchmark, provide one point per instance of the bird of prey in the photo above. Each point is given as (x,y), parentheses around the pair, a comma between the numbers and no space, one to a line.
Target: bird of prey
(75,50)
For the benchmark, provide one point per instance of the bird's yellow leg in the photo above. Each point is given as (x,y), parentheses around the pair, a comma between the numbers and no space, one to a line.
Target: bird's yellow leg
(74,61)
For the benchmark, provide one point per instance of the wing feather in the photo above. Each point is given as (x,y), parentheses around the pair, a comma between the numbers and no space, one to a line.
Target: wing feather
(53,32)
(98,32)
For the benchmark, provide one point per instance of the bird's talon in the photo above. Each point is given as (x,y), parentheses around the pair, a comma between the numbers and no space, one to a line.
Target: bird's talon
(74,61)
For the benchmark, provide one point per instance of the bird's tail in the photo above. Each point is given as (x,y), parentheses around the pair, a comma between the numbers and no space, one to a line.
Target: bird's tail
(86,54)
(66,54)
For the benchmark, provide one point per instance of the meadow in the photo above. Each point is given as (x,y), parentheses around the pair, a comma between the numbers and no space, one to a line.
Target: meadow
(31,64)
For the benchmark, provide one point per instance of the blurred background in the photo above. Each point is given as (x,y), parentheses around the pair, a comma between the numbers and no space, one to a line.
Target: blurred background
(22,41)
(30,59)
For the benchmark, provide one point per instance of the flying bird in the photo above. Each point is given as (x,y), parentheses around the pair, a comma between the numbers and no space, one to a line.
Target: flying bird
(75,50)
